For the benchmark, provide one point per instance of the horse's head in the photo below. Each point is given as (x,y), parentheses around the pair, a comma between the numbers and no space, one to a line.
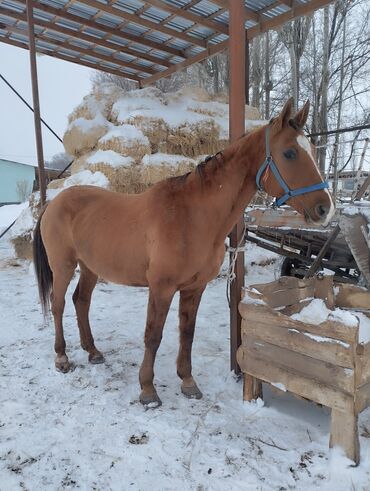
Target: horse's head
(291,173)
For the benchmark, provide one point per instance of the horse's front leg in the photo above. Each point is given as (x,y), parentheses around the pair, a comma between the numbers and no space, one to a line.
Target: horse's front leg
(158,306)
(189,303)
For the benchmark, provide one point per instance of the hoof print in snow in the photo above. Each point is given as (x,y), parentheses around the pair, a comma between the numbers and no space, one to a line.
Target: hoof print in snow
(139,440)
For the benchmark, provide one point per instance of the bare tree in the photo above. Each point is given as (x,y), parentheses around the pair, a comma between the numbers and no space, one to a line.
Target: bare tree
(24,189)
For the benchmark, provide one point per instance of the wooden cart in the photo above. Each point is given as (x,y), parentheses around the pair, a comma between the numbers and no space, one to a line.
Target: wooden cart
(324,363)
(285,232)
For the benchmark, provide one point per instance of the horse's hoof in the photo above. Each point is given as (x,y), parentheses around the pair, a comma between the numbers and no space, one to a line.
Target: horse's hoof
(96,358)
(191,392)
(62,364)
(151,401)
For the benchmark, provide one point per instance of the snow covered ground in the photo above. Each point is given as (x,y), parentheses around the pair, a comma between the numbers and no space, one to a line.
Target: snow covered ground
(87,430)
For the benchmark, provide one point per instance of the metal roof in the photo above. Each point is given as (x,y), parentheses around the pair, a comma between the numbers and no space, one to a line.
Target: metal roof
(142,40)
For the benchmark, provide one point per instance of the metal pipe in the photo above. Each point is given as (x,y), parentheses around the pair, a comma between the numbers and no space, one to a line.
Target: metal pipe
(36,102)
(237,47)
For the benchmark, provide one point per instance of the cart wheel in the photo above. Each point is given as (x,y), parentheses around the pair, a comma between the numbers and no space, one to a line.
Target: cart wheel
(294,267)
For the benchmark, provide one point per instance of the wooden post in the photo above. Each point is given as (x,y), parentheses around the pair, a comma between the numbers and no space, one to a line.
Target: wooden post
(344,433)
(36,102)
(237,45)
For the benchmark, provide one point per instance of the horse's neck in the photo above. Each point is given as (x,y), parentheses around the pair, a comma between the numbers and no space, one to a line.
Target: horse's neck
(233,183)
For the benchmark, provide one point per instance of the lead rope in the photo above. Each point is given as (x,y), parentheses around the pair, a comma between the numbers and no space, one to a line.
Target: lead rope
(231,269)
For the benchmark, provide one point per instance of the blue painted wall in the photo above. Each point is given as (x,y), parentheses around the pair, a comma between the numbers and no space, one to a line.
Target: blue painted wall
(10,174)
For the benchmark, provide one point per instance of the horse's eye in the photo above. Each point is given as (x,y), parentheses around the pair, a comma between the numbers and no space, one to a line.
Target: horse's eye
(290,154)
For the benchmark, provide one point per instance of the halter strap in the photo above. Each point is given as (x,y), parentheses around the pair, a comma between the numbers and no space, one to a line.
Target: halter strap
(288,193)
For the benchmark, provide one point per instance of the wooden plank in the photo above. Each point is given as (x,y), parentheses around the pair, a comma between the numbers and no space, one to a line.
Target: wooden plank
(344,433)
(351,229)
(252,388)
(296,308)
(352,297)
(293,382)
(330,352)
(324,290)
(283,283)
(362,369)
(285,291)
(362,400)
(317,370)
(261,315)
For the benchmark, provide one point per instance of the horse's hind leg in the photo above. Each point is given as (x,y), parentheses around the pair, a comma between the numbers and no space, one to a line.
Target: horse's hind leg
(61,280)
(82,301)
(189,303)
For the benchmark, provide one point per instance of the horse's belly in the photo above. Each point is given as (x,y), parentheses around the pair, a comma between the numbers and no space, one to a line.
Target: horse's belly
(124,267)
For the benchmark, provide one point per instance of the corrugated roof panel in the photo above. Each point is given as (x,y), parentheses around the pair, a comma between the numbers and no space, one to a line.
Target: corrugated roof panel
(129,5)
(68,24)
(205,8)
(179,44)
(135,29)
(155,15)
(218,39)
(14,6)
(179,24)
(201,32)
(82,9)
(105,51)
(19,37)
(94,32)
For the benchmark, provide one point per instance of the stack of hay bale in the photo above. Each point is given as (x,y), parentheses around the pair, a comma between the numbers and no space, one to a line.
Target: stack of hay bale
(128,141)
(140,137)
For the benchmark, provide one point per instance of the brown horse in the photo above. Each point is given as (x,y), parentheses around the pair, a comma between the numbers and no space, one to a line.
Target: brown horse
(169,238)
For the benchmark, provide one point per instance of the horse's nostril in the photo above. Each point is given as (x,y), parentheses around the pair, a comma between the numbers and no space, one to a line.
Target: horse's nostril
(322,210)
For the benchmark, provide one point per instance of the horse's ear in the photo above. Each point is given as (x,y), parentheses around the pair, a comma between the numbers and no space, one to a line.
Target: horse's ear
(285,115)
(301,117)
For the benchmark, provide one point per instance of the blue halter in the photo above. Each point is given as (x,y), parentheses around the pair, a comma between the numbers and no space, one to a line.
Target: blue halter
(289,193)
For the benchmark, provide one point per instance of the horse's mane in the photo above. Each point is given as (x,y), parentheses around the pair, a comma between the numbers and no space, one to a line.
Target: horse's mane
(215,160)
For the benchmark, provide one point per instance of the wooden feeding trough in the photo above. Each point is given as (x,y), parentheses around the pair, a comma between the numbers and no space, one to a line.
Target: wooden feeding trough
(325,363)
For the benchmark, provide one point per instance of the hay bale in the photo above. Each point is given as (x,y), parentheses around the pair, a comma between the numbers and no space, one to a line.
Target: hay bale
(155,129)
(23,246)
(194,139)
(252,113)
(148,102)
(56,184)
(99,102)
(108,157)
(123,179)
(161,166)
(82,135)
(127,141)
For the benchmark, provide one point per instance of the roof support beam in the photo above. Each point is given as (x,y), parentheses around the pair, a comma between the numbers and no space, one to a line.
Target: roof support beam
(36,103)
(136,19)
(298,10)
(236,130)
(186,14)
(248,13)
(210,51)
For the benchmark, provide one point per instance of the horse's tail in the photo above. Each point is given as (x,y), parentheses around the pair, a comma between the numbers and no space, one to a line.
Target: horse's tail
(43,272)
